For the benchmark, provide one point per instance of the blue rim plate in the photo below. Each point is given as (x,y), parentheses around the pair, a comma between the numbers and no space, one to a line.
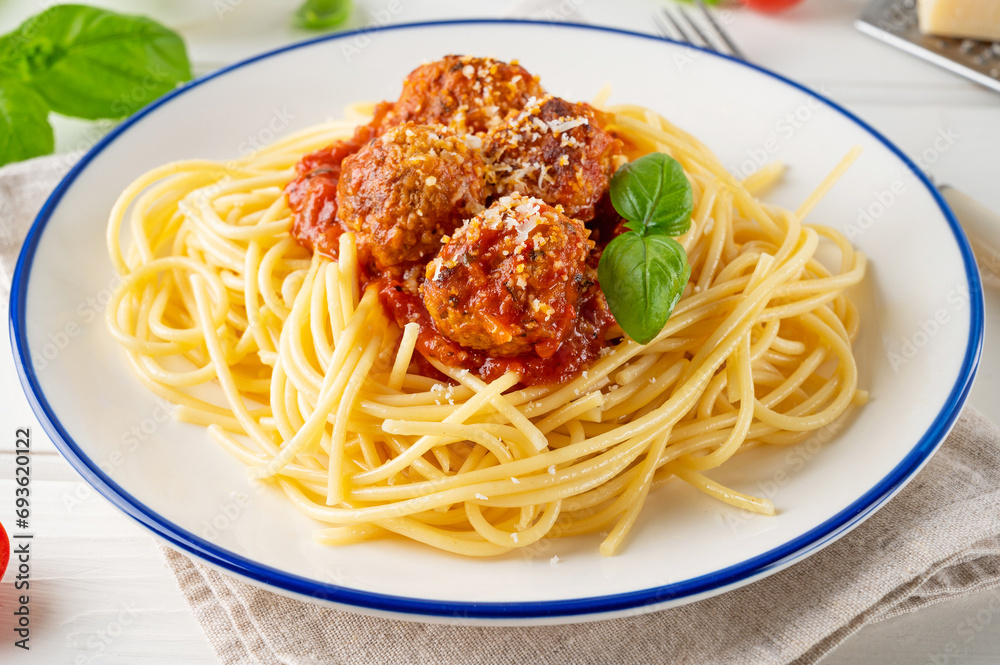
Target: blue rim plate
(40,303)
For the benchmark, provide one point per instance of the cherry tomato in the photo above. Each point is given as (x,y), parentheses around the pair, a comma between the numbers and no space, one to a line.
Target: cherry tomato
(770,5)
(4,550)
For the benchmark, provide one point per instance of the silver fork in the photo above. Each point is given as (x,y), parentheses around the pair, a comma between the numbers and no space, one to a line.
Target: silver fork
(677,23)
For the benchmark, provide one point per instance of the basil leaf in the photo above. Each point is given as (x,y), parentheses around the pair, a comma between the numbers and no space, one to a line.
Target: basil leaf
(25,131)
(322,14)
(653,195)
(642,278)
(9,56)
(91,63)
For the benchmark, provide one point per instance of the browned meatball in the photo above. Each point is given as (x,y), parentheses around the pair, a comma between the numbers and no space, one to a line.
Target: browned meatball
(509,281)
(405,190)
(470,94)
(554,150)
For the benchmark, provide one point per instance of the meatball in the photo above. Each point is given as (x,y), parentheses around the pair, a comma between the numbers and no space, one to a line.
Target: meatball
(556,151)
(467,93)
(404,191)
(509,282)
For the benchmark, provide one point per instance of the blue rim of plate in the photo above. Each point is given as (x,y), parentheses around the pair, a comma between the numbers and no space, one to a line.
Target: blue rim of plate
(718,581)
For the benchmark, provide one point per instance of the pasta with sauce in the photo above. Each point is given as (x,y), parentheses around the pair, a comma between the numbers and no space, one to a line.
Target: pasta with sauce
(373,420)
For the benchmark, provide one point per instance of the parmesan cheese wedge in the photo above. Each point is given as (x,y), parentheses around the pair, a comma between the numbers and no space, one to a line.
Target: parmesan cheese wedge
(977,19)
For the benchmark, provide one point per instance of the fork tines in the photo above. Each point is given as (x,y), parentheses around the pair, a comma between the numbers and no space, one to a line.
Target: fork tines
(703,30)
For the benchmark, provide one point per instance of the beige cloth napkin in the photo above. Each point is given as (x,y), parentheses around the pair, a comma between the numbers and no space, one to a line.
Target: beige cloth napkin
(939,538)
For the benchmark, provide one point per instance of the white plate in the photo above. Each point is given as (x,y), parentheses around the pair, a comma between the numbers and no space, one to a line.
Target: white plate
(920,341)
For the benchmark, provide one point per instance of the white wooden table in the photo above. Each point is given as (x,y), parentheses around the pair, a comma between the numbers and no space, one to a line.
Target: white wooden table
(100,593)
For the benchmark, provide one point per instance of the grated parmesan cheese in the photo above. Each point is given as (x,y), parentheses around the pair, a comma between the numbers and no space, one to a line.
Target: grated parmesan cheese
(565,124)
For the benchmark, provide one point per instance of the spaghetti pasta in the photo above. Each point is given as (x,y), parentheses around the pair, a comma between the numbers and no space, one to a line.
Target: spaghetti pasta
(317,392)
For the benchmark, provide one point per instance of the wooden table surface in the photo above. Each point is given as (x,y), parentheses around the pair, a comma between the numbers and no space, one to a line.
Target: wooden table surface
(99,591)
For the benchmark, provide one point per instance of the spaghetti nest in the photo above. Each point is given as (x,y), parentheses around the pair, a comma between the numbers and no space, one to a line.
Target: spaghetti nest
(317,390)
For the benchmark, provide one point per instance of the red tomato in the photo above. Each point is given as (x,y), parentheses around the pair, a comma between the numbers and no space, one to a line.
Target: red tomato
(770,5)
(4,550)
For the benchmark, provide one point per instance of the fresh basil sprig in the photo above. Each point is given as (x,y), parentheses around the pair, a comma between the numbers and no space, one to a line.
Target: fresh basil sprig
(643,271)
(83,62)
(322,14)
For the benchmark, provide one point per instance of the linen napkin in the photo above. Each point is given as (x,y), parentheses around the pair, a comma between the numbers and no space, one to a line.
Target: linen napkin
(937,539)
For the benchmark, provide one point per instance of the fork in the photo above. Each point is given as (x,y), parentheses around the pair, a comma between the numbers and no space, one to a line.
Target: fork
(981,224)
(677,24)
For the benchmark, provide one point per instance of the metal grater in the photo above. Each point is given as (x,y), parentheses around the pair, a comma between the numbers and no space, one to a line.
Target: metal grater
(895,22)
